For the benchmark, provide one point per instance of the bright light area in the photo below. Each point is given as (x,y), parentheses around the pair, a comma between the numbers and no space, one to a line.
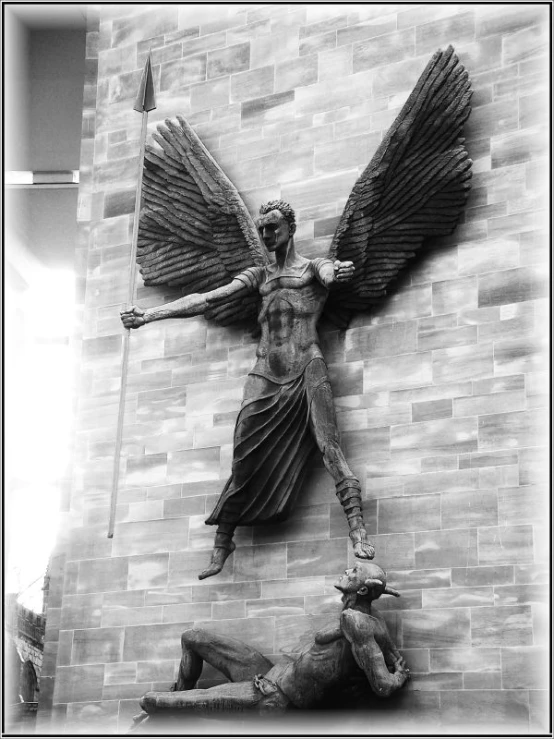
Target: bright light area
(38,412)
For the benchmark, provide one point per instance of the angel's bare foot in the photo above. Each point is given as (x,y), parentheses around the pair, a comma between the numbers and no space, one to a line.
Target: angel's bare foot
(363,548)
(219,556)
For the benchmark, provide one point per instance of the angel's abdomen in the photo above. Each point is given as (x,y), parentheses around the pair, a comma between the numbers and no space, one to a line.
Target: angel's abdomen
(289,330)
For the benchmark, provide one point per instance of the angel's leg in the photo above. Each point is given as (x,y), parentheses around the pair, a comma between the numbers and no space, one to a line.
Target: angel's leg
(325,430)
(231,510)
(223,547)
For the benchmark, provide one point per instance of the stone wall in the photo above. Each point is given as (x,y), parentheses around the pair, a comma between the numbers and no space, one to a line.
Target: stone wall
(441,393)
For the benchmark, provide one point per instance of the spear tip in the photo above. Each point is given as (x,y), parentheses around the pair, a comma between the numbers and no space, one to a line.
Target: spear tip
(146,97)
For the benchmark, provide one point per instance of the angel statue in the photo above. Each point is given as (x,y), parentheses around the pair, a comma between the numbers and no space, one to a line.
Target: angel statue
(196,233)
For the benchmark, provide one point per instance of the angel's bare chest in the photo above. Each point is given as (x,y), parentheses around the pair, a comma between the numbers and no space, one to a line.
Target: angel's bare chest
(293,296)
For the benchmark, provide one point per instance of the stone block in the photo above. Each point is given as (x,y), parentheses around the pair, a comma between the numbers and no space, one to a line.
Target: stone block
(152,642)
(539,711)
(275,607)
(469,508)
(520,594)
(522,505)
(122,616)
(317,44)
(101,575)
(260,633)
(186,71)
(254,563)
(465,660)
(186,612)
(418,513)
(505,544)
(228,61)
(308,558)
(265,109)
(402,371)
(93,646)
(441,436)
(432,409)
(394,550)
(507,328)
(224,592)
(81,611)
(449,627)
(210,94)
(503,626)
(448,548)
(193,465)
(461,363)
(150,537)
(474,258)
(178,507)
(511,286)
(424,579)
(148,571)
(452,296)
(359,32)
(344,153)
(517,147)
(307,522)
(509,430)
(458,597)
(519,355)
(156,671)
(79,683)
(489,21)
(441,338)
(533,465)
(366,445)
(148,24)
(384,49)
(323,26)
(253,84)
(494,710)
(120,672)
(525,43)
(380,341)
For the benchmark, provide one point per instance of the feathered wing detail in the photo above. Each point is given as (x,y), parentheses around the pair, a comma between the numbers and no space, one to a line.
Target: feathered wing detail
(195,231)
(415,187)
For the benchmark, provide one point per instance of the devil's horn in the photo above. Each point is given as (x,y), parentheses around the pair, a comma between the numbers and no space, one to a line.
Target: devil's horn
(391,591)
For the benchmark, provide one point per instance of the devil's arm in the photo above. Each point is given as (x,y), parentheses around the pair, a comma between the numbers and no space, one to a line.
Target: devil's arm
(198,303)
(359,629)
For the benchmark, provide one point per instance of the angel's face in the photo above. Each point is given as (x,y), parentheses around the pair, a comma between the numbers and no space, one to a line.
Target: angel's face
(274,229)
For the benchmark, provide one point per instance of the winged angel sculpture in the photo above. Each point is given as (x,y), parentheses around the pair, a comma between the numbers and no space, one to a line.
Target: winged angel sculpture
(195,233)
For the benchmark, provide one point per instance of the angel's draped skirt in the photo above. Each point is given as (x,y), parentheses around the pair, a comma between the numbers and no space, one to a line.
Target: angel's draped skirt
(272,446)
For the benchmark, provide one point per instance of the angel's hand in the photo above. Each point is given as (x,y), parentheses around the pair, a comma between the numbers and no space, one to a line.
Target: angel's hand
(132,317)
(344,271)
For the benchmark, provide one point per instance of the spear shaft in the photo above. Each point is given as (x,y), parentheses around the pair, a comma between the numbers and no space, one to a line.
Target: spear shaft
(145,102)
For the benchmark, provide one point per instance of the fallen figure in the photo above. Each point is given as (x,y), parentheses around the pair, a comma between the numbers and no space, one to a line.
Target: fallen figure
(360,641)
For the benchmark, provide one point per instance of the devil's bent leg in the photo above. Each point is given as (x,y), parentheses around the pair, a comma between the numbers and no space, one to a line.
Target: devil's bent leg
(236,660)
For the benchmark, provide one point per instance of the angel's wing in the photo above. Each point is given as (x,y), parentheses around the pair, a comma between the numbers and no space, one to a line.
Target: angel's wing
(415,187)
(194,232)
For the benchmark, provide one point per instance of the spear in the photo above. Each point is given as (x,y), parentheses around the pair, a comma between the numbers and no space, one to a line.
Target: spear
(146,101)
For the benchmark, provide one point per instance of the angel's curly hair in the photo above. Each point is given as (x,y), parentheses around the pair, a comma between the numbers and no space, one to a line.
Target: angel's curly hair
(282,207)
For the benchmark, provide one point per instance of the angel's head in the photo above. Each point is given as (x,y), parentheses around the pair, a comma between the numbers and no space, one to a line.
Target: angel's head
(276,224)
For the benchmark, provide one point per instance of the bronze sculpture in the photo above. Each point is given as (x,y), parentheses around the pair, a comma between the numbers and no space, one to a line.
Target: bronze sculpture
(359,645)
(415,187)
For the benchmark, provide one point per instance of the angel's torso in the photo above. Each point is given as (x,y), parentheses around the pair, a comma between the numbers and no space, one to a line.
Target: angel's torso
(292,303)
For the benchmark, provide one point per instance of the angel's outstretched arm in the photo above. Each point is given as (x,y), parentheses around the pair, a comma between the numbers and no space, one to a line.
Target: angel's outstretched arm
(190,305)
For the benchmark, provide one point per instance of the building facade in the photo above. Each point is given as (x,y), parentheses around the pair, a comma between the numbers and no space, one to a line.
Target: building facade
(441,393)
